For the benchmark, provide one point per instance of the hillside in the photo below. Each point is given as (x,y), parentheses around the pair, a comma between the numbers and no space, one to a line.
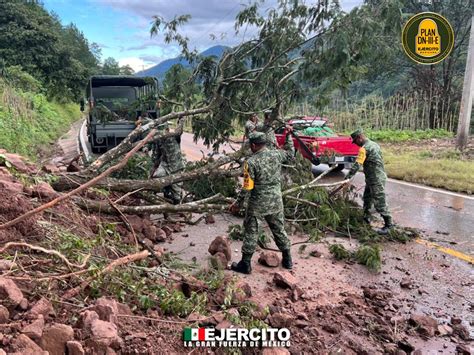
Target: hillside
(160,69)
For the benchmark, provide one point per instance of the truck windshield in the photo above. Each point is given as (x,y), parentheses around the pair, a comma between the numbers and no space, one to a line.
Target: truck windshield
(115,97)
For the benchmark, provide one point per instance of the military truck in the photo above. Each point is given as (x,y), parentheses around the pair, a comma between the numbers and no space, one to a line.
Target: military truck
(115,103)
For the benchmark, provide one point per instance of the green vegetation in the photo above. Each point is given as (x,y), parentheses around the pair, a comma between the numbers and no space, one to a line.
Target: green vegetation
(339,252)
(29,121)
(366,254)
(392,136)
(138,167)
(206,186)
(44,67)
(438,167)
(59,58)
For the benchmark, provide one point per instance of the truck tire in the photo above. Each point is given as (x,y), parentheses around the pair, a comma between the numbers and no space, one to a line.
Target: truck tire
(339,167)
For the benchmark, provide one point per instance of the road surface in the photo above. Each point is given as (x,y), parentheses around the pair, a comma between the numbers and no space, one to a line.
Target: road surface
(446,217)
(442,272)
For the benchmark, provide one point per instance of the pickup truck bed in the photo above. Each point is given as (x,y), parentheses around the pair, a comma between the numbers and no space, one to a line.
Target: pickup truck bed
(337,150)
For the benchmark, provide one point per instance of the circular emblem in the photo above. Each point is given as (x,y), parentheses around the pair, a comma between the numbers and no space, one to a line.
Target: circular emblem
(427,38)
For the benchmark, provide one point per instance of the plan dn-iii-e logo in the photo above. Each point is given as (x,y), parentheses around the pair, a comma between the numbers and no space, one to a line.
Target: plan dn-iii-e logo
(427,38)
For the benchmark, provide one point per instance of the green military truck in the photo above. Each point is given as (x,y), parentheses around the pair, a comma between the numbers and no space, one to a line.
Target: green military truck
(115,103)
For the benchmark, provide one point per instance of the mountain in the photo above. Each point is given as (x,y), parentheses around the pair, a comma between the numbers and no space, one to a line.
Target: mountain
(160,69)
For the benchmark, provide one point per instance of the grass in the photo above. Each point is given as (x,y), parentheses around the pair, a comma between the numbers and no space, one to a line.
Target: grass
(366,254)
(29,121)
(392,136)
(443,168)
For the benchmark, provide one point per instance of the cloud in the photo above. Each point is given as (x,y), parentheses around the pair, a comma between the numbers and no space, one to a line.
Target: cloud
(208,17)
(150,58)
(201,10)
(102,45)
(137,64)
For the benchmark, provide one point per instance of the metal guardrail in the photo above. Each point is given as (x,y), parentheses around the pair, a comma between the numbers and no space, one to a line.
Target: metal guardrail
(84,147)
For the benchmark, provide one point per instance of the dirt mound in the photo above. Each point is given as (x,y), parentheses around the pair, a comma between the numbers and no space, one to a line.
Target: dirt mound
(12,205)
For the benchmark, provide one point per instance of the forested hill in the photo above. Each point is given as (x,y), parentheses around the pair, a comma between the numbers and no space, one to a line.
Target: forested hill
(160,69)
(58,57)
(44,67)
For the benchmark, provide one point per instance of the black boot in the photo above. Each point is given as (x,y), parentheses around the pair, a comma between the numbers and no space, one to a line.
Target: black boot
(243,266)
(366,216)
(286,262)
(388,225)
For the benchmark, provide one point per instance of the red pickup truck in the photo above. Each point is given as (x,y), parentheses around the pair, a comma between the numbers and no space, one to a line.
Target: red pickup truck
(328,147)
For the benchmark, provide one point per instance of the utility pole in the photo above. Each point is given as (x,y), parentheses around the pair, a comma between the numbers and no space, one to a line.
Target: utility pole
(467,95)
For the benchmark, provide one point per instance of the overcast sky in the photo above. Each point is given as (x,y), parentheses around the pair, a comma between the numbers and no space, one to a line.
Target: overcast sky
(122,27)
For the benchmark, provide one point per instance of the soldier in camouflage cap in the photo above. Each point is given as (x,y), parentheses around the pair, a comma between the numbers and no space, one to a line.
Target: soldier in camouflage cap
(251,125)
(267,128)
(168,159)
(370,157)
(262,181)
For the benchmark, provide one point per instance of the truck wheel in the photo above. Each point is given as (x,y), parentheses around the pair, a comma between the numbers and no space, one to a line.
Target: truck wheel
(340,167)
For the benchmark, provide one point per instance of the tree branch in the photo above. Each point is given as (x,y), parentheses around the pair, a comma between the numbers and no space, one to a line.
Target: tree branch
(83,187)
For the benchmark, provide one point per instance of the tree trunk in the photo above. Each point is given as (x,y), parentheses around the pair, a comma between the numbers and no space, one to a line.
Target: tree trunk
(105,207)
(467,95)
(70,181)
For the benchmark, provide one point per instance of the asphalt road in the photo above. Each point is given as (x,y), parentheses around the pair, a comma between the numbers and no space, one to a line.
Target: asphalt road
(447,217)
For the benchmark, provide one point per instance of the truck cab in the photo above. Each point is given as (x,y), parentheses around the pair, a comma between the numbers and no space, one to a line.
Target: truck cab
(115,103)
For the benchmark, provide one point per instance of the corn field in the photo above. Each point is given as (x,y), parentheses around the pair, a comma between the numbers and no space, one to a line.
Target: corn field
(413,111)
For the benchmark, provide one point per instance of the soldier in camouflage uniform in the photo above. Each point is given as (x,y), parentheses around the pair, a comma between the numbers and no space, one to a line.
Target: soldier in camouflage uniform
(262,180)
(168,159)
(251,125)
(370,157)
(267,128)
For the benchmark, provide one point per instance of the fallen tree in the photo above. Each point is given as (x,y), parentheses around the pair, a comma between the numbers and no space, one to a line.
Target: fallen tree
(226,166)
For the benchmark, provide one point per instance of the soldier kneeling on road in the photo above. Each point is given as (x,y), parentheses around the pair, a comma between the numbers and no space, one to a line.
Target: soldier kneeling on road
(262,181)
(370,157)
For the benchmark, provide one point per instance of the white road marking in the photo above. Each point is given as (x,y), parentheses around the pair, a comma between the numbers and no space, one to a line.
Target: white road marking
(467,197)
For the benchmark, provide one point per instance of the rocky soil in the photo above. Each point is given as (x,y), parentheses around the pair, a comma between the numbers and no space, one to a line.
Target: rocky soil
(73,303)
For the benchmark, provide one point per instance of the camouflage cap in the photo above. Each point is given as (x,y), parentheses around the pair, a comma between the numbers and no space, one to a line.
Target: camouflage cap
(356,133)
(257,138)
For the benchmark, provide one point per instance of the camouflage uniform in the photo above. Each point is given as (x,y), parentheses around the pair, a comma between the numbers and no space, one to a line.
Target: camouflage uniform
(262,181)
(370,157)
(167,152)
(267,128)
(249,127)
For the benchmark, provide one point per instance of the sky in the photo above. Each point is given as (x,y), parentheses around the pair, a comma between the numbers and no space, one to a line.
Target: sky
(122,27)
